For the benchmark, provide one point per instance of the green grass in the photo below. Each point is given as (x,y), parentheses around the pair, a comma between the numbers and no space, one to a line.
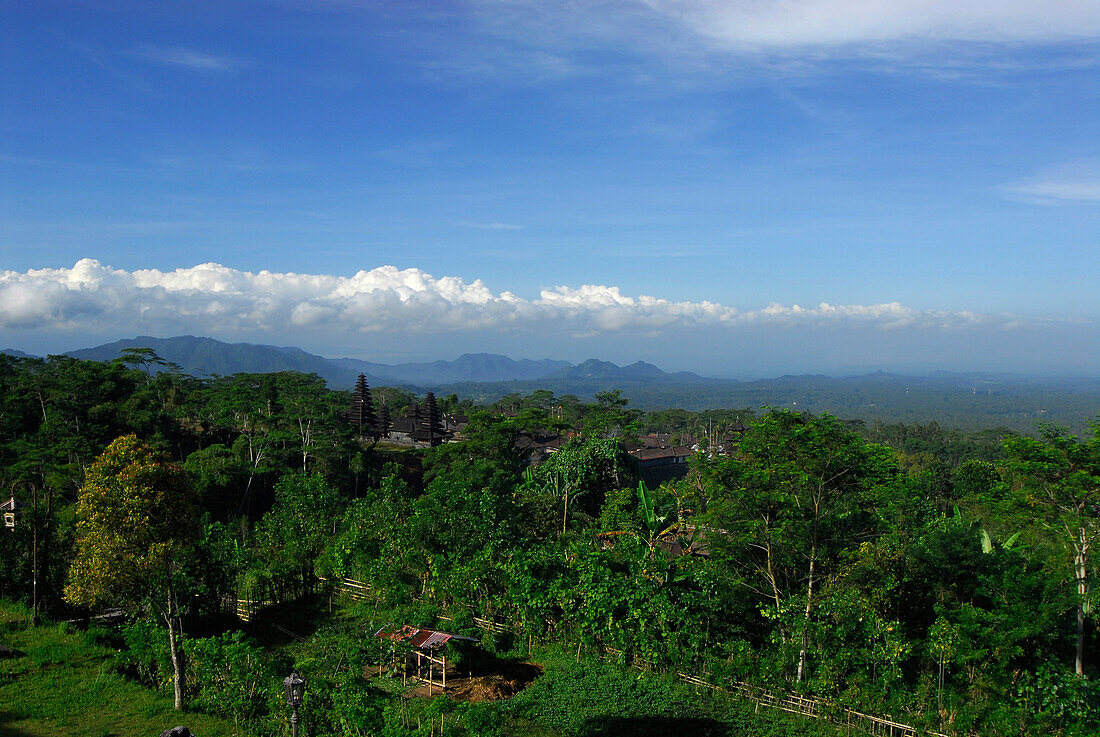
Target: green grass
(593,698)
(60,683)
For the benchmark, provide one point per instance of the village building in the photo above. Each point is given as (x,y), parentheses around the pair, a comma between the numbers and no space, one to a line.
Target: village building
(540,447)
(659,460)
(422,426)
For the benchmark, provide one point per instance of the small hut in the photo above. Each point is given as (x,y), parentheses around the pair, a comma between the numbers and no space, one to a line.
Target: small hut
(427,646)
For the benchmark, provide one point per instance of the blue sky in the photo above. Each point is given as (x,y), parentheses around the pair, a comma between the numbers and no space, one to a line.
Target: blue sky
(682,182)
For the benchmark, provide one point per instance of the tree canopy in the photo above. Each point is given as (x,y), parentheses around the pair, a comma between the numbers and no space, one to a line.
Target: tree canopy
(136,530)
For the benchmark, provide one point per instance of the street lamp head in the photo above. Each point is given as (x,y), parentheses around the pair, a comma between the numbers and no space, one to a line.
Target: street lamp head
(295,687)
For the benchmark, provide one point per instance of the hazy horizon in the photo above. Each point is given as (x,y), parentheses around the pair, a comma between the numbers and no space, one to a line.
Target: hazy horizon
(912,369)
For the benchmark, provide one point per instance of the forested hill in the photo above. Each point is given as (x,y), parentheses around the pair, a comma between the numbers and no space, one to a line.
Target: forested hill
(962,400)
(594,371)
(206,356)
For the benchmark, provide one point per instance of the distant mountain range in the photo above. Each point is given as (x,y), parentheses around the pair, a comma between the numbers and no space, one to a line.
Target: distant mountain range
(968,400)
(206,356)
(594,370)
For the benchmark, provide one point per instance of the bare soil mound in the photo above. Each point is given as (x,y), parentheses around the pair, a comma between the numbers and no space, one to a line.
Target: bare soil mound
(504,684)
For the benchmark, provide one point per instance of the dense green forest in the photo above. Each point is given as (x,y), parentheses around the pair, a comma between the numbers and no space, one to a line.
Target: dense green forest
(938,576)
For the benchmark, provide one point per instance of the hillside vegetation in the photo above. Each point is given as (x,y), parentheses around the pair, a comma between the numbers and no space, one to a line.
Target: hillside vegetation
(941,577)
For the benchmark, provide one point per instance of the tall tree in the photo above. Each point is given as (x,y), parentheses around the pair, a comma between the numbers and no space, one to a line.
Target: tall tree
(244,405)
(135,533)
(608,417)
(295,530)
(143,357)
(1059,477)
(304,410)
(794,498)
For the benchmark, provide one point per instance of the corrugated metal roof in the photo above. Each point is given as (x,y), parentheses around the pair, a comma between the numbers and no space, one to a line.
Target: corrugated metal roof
(430,640)
(419,637)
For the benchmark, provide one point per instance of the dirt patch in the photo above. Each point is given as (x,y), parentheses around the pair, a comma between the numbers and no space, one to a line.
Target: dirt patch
(496,686)
(504,684)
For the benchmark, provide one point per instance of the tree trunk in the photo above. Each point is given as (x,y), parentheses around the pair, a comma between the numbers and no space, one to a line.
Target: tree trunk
(255,456)
(775,590)
(171,618)
(565,512)
(42,404)
(44,554)
(806,619)
(304,432)
(1081,561)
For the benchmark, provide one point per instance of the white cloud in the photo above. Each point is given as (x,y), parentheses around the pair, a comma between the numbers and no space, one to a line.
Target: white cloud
(1076,181)
(752,24)
(198,61)
(490,226)
(780,37)
(212,299)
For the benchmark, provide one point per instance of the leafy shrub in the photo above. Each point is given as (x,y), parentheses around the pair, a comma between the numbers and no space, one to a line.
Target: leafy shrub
(596,698)
(1060,700)
(146,658)
(230,676)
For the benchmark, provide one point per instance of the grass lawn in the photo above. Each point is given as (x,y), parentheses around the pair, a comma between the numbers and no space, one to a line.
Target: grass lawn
(59,683)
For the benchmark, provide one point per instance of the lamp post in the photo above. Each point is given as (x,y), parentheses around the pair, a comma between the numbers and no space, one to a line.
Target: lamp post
(34,547)
(295,687)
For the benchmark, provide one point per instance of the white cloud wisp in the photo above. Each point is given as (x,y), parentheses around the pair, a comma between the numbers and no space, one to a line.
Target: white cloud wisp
(787,37)
(189,59)
(1076,181)
(750,24)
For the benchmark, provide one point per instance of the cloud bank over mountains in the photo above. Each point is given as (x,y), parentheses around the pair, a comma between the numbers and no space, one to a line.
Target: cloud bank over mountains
(212,299)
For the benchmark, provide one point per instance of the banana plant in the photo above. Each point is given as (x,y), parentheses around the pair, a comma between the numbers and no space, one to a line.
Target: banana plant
(987,541)
(645,502)
(656,528)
